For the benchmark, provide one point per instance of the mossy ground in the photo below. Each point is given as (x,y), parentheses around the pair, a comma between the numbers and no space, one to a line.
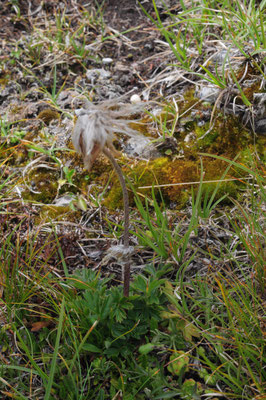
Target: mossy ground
(228,138)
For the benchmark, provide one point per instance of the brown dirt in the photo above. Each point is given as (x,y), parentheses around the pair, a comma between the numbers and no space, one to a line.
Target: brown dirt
(129,16)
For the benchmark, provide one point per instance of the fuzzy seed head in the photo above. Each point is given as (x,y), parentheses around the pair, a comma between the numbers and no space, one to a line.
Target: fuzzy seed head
(97,125)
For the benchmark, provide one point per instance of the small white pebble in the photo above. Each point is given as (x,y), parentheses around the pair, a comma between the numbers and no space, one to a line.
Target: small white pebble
(107,60)
(190,136)
(135,99)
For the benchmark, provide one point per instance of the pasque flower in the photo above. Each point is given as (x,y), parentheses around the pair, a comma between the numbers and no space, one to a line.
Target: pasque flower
(97,125)
(94,132)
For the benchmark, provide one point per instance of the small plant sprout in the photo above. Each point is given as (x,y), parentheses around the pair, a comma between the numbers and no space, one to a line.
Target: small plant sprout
(94,133)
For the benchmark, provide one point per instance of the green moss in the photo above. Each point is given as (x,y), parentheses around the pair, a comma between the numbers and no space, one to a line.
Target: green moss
(249,91)
(230,189)
(177,177)
(189,101)
(44,181)
(141,126)
(4,77)
(48,115)
(19,156)
(14,155)
(55,213)
(156,172)
(232,182)
(141,174)
(180,172)
(249,73)
(228,137)
(261,147)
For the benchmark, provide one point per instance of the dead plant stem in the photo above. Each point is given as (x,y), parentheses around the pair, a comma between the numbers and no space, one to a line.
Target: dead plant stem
(122,181)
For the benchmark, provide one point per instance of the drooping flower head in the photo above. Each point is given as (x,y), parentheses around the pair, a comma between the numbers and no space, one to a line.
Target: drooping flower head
(97,124)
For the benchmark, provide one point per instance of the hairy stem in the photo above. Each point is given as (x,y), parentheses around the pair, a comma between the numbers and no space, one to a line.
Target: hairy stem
(122,181)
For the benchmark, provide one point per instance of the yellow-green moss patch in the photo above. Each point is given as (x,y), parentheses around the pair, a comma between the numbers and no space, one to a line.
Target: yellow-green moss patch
(48,115)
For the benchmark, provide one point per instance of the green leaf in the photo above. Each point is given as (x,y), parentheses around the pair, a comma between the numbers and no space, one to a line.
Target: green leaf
(189,390)
(178,361)
(51,382)
(188,330)
(91,348)
(167,395)
(81,203)
(146,348)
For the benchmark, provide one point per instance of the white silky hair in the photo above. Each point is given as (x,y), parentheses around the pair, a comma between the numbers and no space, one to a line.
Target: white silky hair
(97,124)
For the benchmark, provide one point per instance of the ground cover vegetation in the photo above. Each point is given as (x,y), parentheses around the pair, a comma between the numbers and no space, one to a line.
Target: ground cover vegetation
(191,324)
